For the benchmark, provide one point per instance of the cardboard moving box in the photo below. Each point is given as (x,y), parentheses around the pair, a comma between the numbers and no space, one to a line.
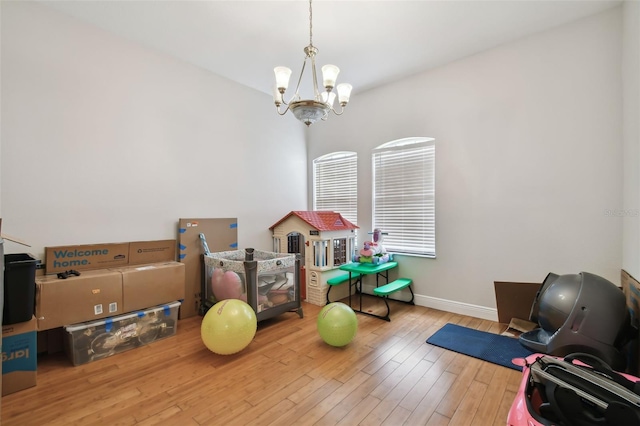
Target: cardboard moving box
(221,235)
(141,252)
(102,256)
(149,285)
(104,293)
(19,356)
(81,258)
(514,300)
(90,296)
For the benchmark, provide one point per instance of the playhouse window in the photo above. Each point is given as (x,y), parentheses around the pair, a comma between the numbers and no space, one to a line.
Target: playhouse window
(321,253)
(352,247)
(276,244)
(293,243)
(339,251)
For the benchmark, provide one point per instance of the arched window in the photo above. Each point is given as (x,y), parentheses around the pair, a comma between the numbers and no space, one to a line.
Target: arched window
(404,195)
(335,184)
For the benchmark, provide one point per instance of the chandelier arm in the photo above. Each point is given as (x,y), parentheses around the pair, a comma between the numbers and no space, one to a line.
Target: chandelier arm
(316,92)
(283,112)
(338,113)
(297,94)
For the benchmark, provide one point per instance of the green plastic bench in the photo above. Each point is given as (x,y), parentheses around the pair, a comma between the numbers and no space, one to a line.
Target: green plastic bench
(385,290)
(341,279)
(392,287)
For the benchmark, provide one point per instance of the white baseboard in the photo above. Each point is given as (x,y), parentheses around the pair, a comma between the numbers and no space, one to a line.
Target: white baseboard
(475,311)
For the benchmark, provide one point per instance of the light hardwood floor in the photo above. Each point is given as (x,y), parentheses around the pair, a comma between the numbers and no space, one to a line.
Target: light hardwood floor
(388,375)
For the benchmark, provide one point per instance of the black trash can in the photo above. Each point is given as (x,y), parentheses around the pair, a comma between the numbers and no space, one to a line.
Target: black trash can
(19,288)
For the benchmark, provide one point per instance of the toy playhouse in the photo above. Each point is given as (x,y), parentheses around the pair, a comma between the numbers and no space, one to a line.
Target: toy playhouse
(324,239)
(268,282)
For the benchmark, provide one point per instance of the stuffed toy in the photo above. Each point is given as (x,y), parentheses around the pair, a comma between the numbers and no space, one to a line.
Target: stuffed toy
(373,251)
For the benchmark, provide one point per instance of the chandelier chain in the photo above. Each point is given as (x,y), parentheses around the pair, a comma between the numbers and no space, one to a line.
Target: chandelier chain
(310,24)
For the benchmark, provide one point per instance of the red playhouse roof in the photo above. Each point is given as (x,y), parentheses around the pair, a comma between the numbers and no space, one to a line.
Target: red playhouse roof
(321,220)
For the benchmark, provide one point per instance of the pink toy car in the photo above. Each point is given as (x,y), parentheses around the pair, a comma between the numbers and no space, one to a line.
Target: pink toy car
(578,389)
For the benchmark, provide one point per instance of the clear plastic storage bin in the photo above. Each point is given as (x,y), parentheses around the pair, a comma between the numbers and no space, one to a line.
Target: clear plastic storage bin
(90,341)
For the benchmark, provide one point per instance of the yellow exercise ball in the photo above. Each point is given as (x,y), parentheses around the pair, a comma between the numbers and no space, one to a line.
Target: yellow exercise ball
(228,327)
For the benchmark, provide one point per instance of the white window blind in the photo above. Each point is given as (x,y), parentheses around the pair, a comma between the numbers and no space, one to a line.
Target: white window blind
(335,188)
(404,195)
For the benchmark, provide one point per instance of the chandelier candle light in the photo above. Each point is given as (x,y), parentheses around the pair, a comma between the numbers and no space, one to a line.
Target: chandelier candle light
(311,110)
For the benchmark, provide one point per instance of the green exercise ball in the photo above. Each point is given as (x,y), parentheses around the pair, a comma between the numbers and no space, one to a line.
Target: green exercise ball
(337,324)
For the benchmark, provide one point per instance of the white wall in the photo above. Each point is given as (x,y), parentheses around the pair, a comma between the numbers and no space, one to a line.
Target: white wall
(528,160)
(105,141)
(631,133)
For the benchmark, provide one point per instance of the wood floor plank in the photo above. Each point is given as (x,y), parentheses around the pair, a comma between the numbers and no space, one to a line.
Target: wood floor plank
(267,416)
(76,410)
(514,378)
(503,408)
(427,405)
(283,376)
(162,417)
(327,404)
(385,357)
(460,363)
(312,386)
(263,412)
(458,390)
(404,368)
(203,415)
(490,404)
(434,353)
(391,400)
(372,353)
(346,405)
(360,411)
(438,419)
(466,410)
(427,381)
(397,417)
(486,371)
(291,416)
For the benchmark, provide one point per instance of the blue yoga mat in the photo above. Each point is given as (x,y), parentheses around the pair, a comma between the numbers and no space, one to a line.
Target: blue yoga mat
(480,344)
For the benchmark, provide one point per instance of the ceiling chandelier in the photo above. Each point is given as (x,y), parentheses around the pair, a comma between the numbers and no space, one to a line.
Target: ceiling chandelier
(311,110)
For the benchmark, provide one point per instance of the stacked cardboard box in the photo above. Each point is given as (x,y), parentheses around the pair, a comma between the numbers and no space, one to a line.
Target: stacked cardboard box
(107,281)
(19,352)
(106,292)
